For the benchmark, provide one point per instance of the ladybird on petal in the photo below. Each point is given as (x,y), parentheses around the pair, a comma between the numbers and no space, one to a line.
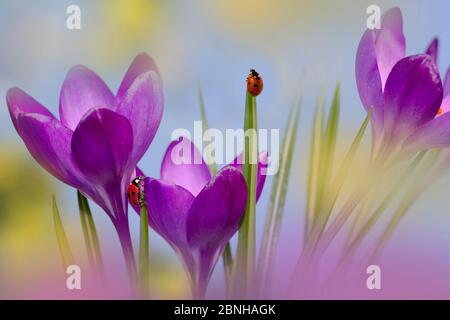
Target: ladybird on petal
(135,191)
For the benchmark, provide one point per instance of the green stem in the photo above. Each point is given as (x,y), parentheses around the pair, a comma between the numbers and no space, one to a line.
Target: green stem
(377,167)
(342,173)
(95,241)
(317,242)
(276,206)
(413,194)
(123,232)
(246,254)
(144,253)
(90,234)
(327,157)
(227,265)
(211,164)
(374,217)
(63,242)
(313,166)
(84,227)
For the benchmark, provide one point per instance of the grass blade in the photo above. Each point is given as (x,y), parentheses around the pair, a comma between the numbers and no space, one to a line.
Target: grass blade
(427,179)
(381,208)
(313,165)
(277,200)
(327,150)
(85,229)
(90,233)
(63,243)
(144,256)
(343,170)
(211,165)
(324,172)
(246,251)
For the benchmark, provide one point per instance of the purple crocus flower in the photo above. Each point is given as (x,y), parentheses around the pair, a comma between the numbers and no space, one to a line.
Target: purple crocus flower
(194,212)
(99,138)
(433,51)
(404,94)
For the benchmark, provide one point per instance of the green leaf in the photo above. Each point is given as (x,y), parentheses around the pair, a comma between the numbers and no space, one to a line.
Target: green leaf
(313,164)
(325,170)
(144,256)
(424,179)
(277,199)
(327,154)
(246,251)
(394,191)
(90,234)
(85,229)
(343,170)
(63,243)
(211,165)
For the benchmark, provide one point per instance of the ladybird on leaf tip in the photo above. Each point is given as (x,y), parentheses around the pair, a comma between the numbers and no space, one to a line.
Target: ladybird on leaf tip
(254,83)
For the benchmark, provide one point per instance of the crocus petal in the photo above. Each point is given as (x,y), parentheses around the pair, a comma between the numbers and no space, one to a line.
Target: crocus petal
(20,102)
(377,53)
(142,63)
(390,42)
(217,210)
(368,79)
(101,146)
(143,107)
(447,83)
(168,206)
(413,95)
(212,220)
(262,168)
(445,105)
(82,90)
(49,143)
(432,49)
(434,134)
(183,165)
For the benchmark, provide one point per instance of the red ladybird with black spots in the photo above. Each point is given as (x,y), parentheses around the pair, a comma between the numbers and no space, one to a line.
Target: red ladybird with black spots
(135,191)
(254,83)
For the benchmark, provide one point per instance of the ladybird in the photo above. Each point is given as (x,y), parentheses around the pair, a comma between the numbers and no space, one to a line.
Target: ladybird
(135,191)
(254,83)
